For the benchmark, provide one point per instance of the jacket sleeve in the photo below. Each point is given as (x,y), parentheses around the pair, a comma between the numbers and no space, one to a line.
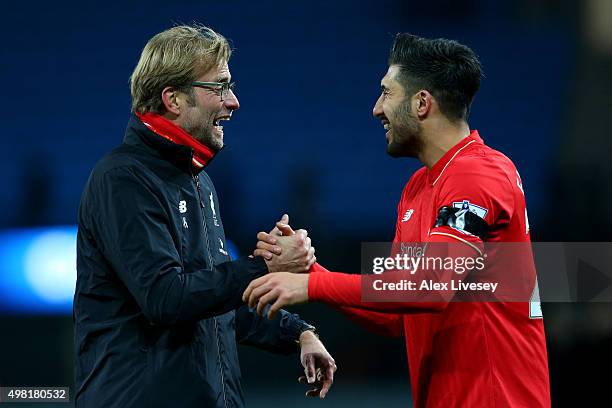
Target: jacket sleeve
(279,335)
(133,230)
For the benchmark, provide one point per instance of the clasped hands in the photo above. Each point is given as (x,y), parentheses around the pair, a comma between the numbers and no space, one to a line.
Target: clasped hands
(289,255)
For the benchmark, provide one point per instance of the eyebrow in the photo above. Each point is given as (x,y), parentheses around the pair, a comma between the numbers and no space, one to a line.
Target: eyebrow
(223,78)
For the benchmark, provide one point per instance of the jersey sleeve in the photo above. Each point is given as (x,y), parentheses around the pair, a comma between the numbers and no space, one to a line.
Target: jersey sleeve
(474,196)
(385,324)
(471,203)
(340,289)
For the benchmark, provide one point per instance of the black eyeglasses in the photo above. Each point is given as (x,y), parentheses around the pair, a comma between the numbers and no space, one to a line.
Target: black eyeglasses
(222,88)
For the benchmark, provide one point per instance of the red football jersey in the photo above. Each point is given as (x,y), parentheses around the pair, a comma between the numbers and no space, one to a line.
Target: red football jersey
(463,354)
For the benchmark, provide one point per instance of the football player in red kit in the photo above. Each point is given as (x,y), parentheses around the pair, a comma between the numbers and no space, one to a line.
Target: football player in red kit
(461,354)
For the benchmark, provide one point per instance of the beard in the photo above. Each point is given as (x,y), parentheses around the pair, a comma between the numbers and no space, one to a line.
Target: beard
(204,135)
(203,130)
(405,137)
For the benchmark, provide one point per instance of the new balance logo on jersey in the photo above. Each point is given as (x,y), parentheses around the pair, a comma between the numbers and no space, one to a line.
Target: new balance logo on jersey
(519,183)
(408,215)
(182,206)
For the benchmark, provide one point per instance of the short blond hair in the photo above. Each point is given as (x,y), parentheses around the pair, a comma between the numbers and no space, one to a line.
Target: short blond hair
(175,57)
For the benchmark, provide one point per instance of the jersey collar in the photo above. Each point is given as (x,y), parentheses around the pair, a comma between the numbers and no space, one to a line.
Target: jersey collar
(436,171)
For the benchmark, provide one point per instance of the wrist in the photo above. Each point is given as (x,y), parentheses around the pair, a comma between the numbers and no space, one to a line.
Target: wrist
(308,335)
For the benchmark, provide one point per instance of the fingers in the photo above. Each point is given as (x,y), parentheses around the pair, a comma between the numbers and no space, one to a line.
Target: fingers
(303,234)
(267,248)
(258,292)
(263,253)
(309,368)
(267,238)
(284,220)
(328,378)
(318,385)
(311,258)
(265,299)
(254,284)
(301,245)
(314,392)
(265,290)
(276,307)
(271,248)
(325,388)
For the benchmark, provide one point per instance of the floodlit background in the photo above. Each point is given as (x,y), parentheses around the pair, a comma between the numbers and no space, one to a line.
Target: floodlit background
(303,142)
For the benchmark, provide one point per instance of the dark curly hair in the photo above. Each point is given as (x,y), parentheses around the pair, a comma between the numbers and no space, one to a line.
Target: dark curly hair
(450,71)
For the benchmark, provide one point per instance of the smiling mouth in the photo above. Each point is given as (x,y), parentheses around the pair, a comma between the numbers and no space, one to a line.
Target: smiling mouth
(216,122)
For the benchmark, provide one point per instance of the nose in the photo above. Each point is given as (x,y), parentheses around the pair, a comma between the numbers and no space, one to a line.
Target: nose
(378,110)
(231,101)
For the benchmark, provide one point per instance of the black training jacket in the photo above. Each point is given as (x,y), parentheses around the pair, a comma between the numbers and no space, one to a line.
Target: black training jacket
(157,308)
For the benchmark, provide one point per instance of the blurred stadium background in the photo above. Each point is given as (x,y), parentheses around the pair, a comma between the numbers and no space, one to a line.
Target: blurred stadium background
(303,142)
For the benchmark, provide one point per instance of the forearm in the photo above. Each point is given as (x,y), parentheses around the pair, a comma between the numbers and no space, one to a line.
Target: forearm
(342,289)
(175,296)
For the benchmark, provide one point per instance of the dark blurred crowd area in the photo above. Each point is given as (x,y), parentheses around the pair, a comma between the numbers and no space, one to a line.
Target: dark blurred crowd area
(304,142)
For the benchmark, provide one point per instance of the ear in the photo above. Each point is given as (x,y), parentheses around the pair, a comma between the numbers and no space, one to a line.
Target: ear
(170,99)
(423,101)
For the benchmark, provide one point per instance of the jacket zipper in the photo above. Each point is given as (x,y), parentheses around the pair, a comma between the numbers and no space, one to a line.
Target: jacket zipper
(210,262)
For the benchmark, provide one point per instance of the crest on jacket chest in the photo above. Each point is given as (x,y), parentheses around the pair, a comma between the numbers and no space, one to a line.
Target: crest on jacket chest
(214,212)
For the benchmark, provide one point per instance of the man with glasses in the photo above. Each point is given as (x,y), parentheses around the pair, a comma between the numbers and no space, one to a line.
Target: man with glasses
(158,307)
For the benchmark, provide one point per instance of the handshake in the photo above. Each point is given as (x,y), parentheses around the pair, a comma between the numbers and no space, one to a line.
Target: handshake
(289,255)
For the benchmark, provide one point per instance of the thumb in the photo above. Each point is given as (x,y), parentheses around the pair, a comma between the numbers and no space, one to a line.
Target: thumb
(285,219)
(285,229)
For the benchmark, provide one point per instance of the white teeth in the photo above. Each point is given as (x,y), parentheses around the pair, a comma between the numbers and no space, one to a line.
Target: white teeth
(217,121)
(386,126)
